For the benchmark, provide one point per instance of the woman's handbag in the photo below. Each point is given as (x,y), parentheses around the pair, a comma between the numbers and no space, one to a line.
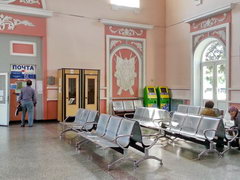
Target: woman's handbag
(18,109)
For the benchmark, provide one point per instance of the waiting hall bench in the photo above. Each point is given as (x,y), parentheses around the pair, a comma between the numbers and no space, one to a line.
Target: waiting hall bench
(149,117)
(120,133)
(200,129)
(84,120)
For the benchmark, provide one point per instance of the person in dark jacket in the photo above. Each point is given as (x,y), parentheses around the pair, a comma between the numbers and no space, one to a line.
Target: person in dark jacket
(235,116)
(28,100)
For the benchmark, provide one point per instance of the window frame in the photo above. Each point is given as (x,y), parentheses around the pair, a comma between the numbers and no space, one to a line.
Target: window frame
(214,64)
(116,6)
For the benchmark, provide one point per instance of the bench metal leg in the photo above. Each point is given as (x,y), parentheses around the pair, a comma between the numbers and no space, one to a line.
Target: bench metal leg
(146,156)
(125,157)
(211,149)
(66,130)
(80,143)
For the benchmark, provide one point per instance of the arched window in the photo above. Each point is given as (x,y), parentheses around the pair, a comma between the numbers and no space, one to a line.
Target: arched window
(126,3)
(213,72)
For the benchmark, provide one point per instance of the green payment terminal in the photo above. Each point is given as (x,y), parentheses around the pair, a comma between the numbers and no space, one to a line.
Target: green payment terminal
(150,96)
(163,98)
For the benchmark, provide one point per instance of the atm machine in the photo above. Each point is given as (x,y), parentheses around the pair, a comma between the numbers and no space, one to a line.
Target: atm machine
(150,96)
(163,97)
(77,88)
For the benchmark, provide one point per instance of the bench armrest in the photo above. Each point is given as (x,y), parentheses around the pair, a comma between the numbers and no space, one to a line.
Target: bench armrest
(85,124)
(121,136)
(236,134)
(155,139)
(65,120)
(206,131)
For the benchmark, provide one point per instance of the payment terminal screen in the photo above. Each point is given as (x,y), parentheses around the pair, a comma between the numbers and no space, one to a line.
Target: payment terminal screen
(163,90)
(151,90)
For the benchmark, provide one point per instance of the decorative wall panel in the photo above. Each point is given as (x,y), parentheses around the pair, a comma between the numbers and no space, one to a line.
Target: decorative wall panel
(125,62)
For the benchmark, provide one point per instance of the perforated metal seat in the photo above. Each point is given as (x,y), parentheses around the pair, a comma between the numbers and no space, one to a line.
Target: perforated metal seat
(76,118)
(100,130)
(128,106)
(210,124)
(117,135)
(161,114)
(138,113)
(182,108)
(176,122)
(194,110)
(190,125)
(80,119)
(89,123)
(118,106)
(112,128)
(148,114)
(124,132)
(137,104)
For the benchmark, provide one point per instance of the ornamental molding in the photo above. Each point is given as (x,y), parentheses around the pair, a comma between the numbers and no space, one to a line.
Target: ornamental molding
(125,74)
(21,1)
(114,43)
(9,23)
(126,31)
(30,1)
(138,45)
(197,39)
(221,34)
(209,22)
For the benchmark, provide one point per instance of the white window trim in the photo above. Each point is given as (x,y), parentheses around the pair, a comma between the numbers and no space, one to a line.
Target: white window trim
(23,54)
(226,25)
(122,7)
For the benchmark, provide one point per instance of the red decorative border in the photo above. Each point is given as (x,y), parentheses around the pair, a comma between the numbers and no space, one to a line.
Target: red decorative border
(210,22)
(125,31)
(17,2)
(206,35)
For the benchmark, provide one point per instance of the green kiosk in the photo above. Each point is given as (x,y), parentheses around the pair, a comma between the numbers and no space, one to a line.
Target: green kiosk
(150,96)
(163,97)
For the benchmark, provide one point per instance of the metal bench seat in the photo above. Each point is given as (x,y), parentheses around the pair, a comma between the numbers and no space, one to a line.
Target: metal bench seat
(117,136)
(100,131)
(65,122)
(182,108)
(190,125)
(150,117)
(193,110)
(207,128)
(176,122)
(199,129)
(89,123)
(84,120)
(206,132)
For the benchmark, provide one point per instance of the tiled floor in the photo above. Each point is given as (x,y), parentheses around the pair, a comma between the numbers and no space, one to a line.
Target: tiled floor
(38,153)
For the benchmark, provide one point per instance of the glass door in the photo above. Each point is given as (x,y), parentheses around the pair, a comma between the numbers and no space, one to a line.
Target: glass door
(4,104)
(91,93)
(72,94)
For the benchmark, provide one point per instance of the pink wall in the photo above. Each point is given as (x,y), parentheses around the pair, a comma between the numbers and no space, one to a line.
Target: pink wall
(76,37)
